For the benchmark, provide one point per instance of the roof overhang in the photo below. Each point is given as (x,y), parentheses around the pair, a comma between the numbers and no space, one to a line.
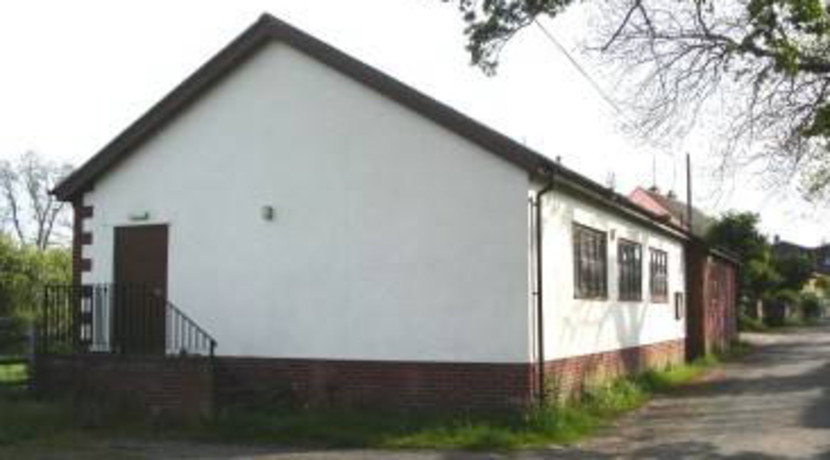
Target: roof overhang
(267,29)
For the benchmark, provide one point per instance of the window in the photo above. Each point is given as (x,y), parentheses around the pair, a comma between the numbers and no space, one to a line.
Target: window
(659,276)
(590,269)
(630,262)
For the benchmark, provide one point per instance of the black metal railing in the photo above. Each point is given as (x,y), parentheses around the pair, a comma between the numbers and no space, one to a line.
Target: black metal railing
(185,336)
(117,318)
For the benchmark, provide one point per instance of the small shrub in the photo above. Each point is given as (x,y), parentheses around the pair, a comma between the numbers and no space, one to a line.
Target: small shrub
(747,323)
(778,307)
(13,337)
(23,421)
(811,306)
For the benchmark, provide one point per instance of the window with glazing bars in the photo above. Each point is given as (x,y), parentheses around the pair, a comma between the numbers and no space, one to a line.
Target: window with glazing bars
(659,275)
(630,263)
(590,266)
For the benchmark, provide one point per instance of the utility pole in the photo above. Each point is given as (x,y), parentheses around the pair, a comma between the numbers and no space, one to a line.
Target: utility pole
(689,191)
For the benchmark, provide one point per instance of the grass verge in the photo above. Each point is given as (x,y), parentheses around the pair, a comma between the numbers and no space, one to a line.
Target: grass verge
(27,424)
(555,424)
(536,427)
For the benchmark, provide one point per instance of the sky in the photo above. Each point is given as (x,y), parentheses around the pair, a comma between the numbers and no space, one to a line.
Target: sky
(74,74)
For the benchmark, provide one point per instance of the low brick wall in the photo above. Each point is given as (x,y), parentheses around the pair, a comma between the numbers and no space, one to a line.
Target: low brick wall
(569,376)
(377,384)
(189,388)
(179,387)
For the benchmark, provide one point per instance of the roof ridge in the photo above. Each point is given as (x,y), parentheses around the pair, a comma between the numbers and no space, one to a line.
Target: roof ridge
(268,27)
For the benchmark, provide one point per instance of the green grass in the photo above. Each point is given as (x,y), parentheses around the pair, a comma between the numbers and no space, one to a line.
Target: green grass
(747,323)
(542,426)
(657,381)
(12,373)
(23,420)
(555,424)
(31,426)
(31,429)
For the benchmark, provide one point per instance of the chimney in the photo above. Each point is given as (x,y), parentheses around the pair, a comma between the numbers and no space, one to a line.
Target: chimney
(671,195)
(776,239)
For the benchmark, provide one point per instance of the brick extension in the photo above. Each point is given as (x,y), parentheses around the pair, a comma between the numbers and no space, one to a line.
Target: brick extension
(713,302)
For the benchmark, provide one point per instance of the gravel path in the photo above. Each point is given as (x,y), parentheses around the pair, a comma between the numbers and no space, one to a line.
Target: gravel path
(771,404)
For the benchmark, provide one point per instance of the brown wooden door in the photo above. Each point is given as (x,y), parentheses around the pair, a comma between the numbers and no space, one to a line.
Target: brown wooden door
(140,292)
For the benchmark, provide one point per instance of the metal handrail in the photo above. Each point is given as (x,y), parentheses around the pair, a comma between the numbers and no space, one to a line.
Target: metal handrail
(117,318)
(180,341)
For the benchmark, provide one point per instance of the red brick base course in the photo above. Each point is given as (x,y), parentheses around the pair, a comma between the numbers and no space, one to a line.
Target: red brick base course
(178,388)
(379,384)
(569,376)
(191,387)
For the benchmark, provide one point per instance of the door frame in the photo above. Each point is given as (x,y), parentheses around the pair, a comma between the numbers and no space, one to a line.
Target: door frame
(149,335)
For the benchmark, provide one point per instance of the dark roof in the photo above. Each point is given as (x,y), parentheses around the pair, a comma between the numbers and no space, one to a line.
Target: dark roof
(818,255)
(678,210)
(268,28)
(788,246)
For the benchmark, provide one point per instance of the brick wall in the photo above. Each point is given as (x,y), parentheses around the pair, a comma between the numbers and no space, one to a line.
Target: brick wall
(179,388)
(189,387)
(380,384)
(568,376)
(79,239)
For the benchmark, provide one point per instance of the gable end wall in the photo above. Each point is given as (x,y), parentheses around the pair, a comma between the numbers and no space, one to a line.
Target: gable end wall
(393,238)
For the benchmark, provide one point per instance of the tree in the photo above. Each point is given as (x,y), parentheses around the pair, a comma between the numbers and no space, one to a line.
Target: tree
(34,215)
(823,286)
(738,232)
(24,271)
(795,271)
(11,275)
(764,64)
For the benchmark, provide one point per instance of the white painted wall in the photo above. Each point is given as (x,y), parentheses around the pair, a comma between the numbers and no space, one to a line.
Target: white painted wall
(575,327)
(394,238)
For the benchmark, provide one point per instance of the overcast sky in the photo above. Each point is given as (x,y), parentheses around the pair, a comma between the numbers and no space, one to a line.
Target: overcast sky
(76,73)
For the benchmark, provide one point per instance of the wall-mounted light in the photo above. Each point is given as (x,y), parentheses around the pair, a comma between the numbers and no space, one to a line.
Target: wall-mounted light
(267,213)
(140,216)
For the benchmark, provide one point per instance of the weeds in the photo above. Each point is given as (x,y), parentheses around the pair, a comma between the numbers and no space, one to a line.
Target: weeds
(25,422)
(556,423)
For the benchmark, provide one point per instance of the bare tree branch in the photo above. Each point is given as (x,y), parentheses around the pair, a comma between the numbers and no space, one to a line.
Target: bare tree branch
(759,68)
(33,211)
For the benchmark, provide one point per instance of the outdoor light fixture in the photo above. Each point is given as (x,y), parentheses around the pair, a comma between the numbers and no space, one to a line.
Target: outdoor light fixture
(268,213)
(140,216)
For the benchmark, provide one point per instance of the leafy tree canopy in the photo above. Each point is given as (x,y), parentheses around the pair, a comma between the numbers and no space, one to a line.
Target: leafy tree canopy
(795,271)
(739,233)
(24,270)
(764,65)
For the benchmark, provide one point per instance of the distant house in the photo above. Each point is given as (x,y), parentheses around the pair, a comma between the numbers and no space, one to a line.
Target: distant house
(712,274)
(819,255)
(337,237)
(670,207)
